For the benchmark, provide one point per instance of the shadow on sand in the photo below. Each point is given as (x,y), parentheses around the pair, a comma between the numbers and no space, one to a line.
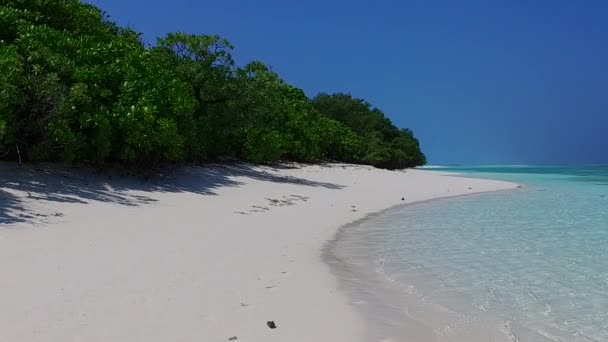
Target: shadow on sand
(71,185)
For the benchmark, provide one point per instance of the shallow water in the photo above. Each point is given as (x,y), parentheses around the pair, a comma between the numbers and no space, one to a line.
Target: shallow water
(524,265)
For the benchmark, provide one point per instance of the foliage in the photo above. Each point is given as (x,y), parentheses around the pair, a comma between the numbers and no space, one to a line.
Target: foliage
(74,86)
(386,146)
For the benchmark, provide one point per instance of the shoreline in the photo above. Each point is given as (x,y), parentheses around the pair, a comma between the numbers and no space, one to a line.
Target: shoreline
(385,321)
(211,252)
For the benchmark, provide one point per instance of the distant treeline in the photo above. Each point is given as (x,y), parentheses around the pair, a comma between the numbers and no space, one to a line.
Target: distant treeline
(76,87)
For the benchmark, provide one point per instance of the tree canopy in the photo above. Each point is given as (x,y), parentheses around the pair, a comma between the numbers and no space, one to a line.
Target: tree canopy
(77,87)
(386,145)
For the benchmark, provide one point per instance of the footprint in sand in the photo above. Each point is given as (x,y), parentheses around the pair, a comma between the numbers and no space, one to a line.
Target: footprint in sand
(256,209)
(287,200)
(280,203)
(301,198)
(274,202)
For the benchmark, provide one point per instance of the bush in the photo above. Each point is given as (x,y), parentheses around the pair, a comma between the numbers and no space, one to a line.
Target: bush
(76,87)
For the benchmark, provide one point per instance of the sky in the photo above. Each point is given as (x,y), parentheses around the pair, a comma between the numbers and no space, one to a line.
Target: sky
(479,82)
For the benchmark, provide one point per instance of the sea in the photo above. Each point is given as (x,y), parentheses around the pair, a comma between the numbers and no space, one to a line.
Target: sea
(521,265)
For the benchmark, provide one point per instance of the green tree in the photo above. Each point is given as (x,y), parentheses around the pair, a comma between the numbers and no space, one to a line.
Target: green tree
(77,87)
(205,64)
(386,145)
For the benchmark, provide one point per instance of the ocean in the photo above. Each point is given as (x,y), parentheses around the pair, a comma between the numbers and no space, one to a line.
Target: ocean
(529,264)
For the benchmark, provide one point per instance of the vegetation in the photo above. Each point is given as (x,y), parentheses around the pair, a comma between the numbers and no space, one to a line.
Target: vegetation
(385,145)
(76,87)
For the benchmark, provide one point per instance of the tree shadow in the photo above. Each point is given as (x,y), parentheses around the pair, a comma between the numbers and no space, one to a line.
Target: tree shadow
(10,209)
(243,170)
(22,189)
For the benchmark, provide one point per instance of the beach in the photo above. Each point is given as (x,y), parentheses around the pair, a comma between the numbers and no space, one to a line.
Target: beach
(202,254)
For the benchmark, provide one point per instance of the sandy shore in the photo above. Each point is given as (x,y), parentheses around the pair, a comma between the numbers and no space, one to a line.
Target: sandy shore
(203,255)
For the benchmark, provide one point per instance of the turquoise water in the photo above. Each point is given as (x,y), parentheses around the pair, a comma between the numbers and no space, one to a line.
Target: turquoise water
(537,257)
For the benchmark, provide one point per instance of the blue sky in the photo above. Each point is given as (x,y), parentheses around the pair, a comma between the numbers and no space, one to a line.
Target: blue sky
(521,82)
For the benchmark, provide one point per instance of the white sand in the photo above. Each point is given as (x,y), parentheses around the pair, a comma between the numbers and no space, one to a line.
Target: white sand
(202,256)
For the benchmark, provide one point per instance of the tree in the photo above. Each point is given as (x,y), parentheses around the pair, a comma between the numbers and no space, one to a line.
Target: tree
(205,64)
(77,87)
(386,145)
